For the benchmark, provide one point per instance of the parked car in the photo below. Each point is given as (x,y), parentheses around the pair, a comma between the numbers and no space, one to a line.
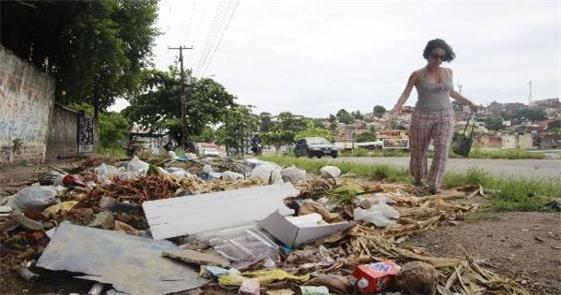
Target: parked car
(315,147)
(210,152)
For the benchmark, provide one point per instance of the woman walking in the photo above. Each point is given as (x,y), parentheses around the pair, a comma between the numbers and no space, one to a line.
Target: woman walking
(433,117)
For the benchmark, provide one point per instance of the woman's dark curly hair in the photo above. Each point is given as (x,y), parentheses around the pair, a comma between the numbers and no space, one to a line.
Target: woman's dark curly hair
(439,43)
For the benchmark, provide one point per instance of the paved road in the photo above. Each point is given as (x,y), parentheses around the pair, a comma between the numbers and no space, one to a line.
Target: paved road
(499,167)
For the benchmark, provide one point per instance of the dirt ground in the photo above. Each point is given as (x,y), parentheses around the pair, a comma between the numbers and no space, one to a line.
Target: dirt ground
(525,246)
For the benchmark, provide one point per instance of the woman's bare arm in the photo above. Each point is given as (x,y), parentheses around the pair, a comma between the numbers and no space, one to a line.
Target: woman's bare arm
(406,93)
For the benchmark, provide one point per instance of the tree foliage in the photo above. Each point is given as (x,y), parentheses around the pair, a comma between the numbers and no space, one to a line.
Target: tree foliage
(357,115)
(494,123)
(113,129)
(314,132)
(265,122)
(343,116)
(239,125)
(95,50)
(113,126)
(157,105)
(379,111)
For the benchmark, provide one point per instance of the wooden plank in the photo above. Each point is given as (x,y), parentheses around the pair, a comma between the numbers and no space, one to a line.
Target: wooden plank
(179,216)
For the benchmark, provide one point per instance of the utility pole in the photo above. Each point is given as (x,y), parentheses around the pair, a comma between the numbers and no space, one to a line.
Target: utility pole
(530,92)
(183,96)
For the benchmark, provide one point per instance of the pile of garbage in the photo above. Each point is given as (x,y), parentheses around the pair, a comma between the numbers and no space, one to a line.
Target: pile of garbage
(249,227)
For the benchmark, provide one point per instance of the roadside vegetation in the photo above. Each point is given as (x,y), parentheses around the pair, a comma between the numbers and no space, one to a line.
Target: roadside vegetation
(505,193)
(476,153)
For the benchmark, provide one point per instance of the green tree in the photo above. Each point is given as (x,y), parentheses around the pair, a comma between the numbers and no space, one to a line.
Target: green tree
(239,125)
(265,122)
(314,132)
(366,137)
(113,126)
(494,123)
(532,114)
(95,50)
(113,129)
(357,115)
(343,116)
(207,135)
(332,118)
(379,111)
(157,106)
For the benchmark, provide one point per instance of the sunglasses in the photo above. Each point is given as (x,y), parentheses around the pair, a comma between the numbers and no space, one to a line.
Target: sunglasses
(437,56)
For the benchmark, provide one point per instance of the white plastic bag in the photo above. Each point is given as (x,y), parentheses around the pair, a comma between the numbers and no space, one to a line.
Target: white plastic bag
(35,197)
(271,174)
(137,166)
(381,215)
(105,173)
(330,171)
(230,175)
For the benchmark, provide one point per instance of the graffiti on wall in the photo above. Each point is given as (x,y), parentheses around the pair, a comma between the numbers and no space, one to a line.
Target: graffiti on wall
(85,134)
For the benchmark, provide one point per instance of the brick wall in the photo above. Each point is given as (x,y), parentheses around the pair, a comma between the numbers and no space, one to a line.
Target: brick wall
(26,101)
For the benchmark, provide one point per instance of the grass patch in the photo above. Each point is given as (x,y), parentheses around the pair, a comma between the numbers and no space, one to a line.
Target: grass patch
(377,172)
(506,193)
(476,153)
(115,152)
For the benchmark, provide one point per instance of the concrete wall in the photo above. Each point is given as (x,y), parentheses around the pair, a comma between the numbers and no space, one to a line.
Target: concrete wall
(63,134)
(508,142)
(26,101)
(525,141)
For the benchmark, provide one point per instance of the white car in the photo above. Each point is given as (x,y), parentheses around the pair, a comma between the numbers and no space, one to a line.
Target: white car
(210,152)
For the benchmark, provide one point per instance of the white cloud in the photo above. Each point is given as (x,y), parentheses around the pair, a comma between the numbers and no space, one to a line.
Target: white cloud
(315,57)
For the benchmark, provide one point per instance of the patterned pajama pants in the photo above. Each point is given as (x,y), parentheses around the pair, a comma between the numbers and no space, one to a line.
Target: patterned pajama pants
(427,125)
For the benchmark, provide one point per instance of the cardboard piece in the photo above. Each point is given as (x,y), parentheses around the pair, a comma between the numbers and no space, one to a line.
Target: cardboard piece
(296,231)
(194,214)
(133,265)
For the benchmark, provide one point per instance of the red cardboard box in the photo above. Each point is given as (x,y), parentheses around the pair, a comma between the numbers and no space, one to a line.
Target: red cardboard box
(375,277)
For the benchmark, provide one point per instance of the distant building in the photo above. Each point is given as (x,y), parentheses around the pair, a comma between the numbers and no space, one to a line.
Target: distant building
(547,103)
(524,141)
(550,141)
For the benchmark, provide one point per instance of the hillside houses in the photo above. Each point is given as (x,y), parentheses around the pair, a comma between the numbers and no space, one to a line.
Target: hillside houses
(517,131)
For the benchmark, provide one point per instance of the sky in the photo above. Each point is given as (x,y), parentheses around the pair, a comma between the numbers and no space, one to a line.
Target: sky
(314,57)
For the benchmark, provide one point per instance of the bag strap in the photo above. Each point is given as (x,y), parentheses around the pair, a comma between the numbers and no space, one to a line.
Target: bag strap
(474,117)
(467,125)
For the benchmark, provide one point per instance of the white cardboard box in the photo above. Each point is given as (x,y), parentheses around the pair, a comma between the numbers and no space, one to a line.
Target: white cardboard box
(295,231)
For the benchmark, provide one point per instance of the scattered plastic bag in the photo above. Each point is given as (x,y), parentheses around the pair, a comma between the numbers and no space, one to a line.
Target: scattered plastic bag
(230,175)
(246,248)
(172,155)
(105,173)
(35,197)
(271,174)
(381,215)
(137,166)
(368,201)
(330,171)
(293,174)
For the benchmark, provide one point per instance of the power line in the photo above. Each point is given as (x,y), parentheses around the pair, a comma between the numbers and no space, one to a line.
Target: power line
(221,36)
(213,33)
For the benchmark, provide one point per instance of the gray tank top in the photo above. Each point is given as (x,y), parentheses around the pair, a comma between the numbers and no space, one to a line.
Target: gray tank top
(434,96)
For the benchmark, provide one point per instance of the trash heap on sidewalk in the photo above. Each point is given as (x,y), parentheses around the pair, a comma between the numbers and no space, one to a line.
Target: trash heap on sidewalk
(249,227)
